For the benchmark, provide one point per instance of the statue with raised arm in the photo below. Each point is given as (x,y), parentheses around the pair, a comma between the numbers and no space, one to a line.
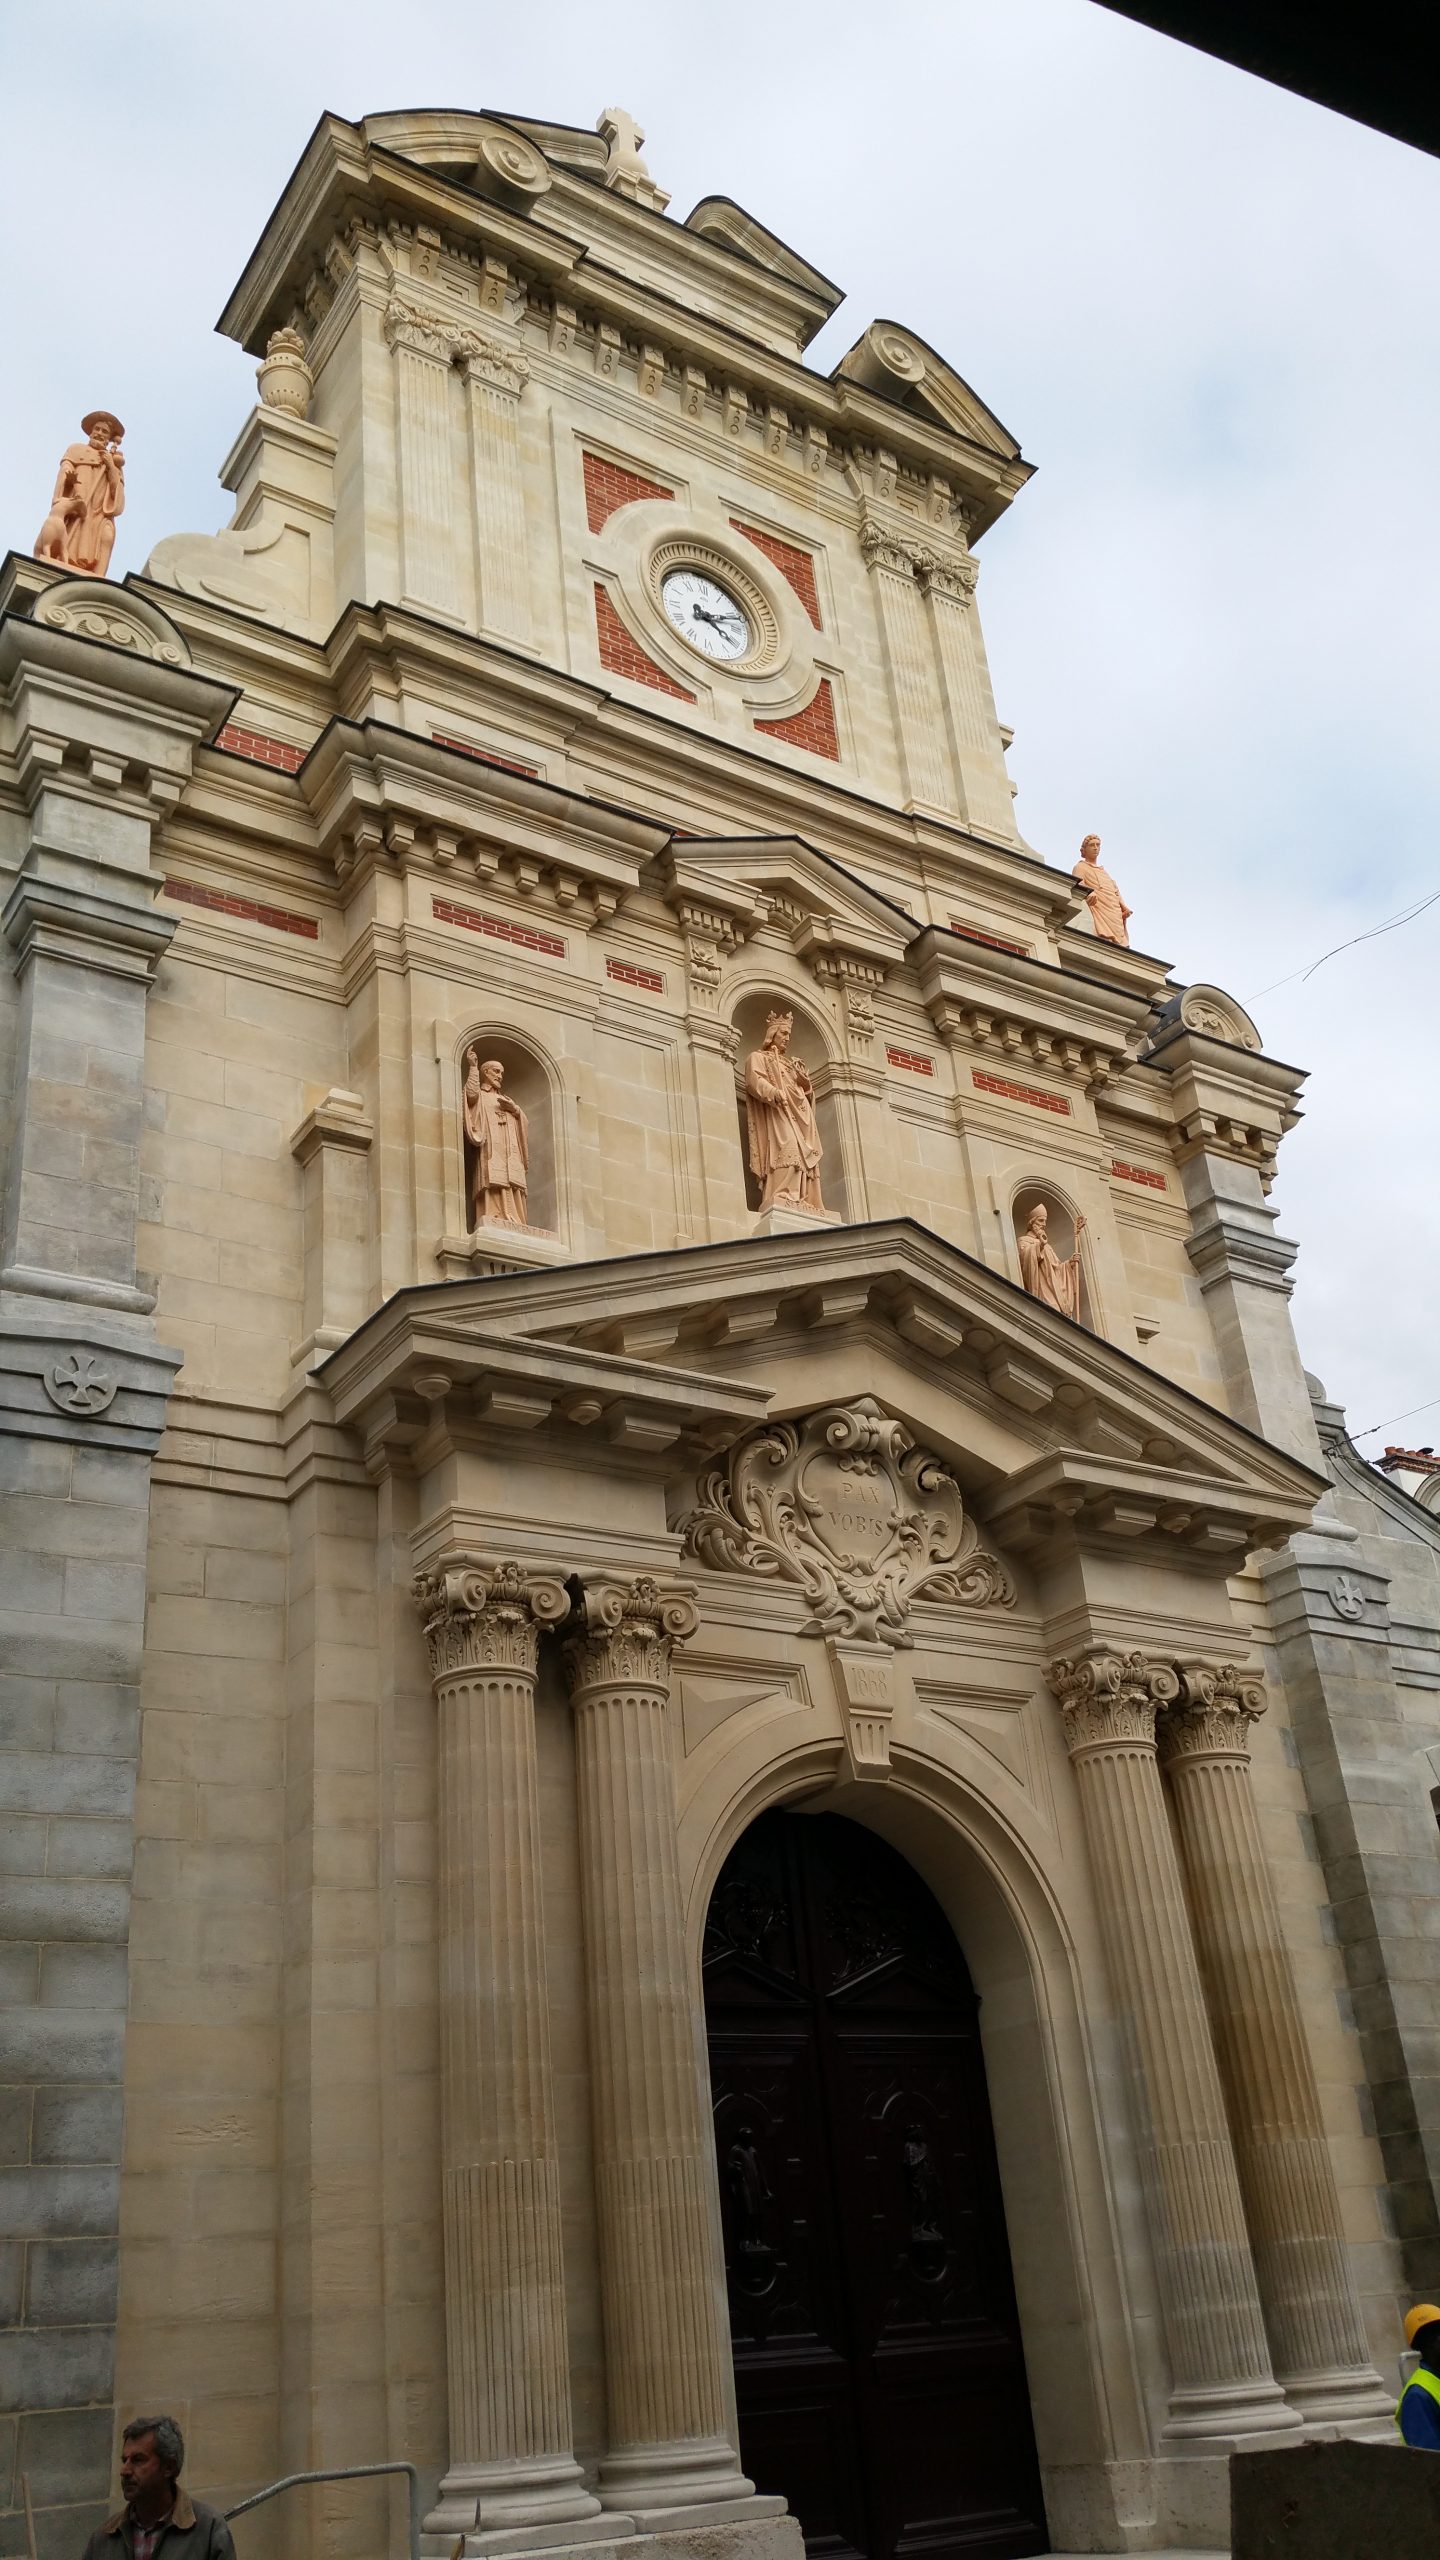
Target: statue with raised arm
(79,531)
(1045,1276)
(785,1148)
(499,1143)
(1108,911)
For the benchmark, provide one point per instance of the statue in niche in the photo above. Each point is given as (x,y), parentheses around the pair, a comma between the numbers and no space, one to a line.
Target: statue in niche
(499,1139)
(785,1148)
(79,531)
(1044,1274)
(1108,911)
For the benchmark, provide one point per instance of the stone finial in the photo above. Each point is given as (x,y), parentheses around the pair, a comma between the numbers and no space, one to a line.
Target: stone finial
(79,531)
(285,379)
(625,171)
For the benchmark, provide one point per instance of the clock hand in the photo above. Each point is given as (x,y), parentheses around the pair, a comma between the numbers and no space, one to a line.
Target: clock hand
(699,614)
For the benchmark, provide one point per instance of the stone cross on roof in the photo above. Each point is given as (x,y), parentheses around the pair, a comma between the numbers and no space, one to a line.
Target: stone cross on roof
(625,171)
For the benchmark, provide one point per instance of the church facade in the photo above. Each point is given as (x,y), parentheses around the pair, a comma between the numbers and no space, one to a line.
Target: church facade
(673,1602)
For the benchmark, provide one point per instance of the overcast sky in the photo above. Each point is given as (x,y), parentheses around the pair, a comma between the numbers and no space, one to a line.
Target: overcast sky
(1206,309)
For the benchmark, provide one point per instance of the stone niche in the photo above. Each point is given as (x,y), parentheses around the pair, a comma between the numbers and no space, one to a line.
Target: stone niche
(1060,1227)
(527,1081)
(808,1043)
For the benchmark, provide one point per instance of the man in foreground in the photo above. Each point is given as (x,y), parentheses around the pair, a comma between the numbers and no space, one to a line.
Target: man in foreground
(160,2520)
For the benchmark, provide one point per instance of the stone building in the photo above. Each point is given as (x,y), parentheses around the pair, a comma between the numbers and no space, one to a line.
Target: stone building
(642,1859)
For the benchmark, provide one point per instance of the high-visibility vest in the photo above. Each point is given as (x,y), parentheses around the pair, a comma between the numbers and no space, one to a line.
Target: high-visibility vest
(1422,2379)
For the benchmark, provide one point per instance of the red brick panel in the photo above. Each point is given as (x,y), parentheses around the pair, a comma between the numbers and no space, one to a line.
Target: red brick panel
(813,728)
(996,942)
(1020,1092)
(220,903)
(258,749)
(914,1059)
(527,936)
(481,755)
(796,566)
(628,973)
(1138,1173)
(624,656)
(609,486)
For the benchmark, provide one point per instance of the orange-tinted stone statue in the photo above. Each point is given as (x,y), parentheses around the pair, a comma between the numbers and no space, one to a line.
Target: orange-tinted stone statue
(1108,911)
(785,1148)
(79,531)
(1045,1276)
(500,1149)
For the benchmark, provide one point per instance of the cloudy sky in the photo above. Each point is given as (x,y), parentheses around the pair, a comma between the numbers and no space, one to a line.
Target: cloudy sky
(1205,308)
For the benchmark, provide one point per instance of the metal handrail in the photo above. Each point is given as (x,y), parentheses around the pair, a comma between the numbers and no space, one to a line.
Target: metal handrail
(352,2471)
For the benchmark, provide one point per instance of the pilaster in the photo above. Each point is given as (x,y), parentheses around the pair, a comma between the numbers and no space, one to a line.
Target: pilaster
(495,377)
(332,1147)
(100,714)
(423,346)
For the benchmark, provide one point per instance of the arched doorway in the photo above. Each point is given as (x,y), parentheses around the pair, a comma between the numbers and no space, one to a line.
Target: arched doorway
(879,2374)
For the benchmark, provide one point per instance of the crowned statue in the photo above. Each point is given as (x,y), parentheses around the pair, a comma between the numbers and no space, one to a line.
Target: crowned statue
(1108,912)
(785,1148)
(499,1142)
(79,531)
(1044,1274)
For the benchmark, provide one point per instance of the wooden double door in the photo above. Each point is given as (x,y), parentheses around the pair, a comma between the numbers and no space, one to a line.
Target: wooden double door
(878,2366)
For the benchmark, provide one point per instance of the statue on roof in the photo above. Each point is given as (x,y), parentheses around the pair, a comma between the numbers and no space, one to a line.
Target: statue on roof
(1108,911)
(79,531)
(785,1147)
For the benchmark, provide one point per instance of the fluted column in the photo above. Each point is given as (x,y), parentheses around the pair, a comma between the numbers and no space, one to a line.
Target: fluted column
(511,2462)
(1222,2385)
(665,2340)
(1311,2309)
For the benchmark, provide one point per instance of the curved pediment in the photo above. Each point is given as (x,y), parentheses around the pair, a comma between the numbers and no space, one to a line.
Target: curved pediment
(901,368)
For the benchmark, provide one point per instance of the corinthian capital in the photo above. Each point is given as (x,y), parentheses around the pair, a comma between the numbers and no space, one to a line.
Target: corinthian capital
(885,546)
(489,360)
(480,1617)
(424,331)
(1109,1699)
(956,579)
(1217,1705)
(624,1634)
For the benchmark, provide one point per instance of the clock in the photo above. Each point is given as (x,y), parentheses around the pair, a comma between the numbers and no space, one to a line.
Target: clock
(706,614)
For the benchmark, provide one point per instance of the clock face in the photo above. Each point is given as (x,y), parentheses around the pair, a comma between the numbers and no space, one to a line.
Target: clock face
(706,614)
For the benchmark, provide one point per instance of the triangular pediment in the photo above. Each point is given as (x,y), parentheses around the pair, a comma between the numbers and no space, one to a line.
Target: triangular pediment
(897,365)
(786,880)
(1040,1422)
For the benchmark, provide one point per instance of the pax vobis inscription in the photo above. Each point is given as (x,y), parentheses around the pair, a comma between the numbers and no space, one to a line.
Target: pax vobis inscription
(846,1507)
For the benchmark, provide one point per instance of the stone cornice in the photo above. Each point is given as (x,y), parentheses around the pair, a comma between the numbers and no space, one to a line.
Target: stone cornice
(385,796)
(1228,1100)
(422,1376)
(1061,1020)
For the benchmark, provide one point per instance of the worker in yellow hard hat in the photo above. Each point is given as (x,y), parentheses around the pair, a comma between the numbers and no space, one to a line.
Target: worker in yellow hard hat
(1417,2412)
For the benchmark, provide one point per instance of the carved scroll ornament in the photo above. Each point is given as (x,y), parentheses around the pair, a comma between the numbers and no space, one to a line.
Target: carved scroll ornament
(844,1506)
